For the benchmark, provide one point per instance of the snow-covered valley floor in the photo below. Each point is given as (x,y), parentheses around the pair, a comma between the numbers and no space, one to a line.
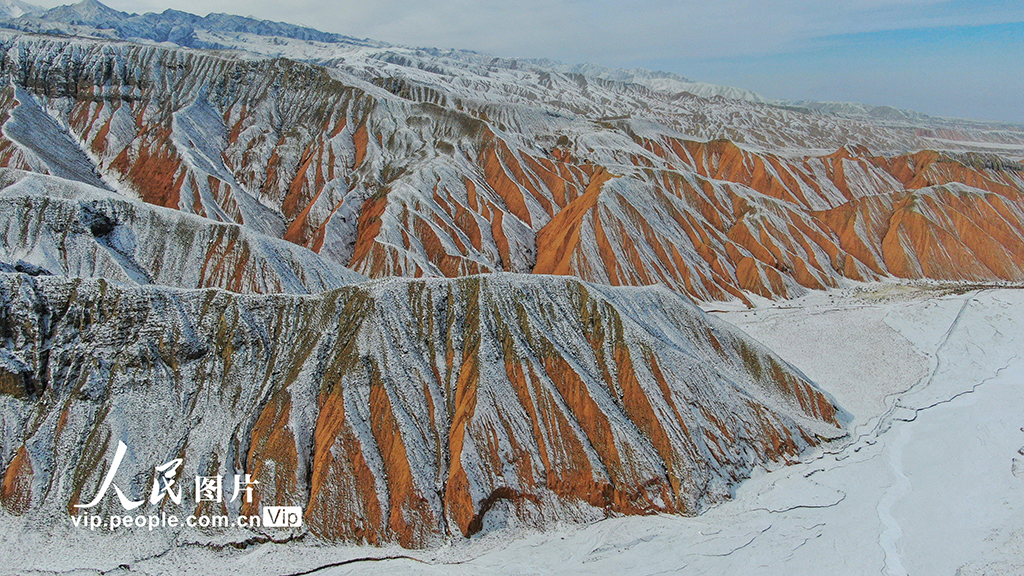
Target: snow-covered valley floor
(931,480)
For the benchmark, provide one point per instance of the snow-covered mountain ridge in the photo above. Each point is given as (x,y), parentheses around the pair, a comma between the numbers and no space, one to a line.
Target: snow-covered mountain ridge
(93,18)
(218,30)
(17,8)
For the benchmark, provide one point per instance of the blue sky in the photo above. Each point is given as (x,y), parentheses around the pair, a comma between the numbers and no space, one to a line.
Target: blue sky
(960,58)
(959,71)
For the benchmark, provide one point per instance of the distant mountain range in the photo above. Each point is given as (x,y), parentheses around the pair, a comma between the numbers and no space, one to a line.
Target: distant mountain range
(92,18)
(95,18)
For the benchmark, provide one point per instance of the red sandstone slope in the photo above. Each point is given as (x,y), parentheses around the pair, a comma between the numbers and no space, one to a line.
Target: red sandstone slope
(774,226)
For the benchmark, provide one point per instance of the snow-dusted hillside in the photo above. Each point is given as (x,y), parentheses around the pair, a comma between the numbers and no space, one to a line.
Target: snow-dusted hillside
(66,228)
(400,411)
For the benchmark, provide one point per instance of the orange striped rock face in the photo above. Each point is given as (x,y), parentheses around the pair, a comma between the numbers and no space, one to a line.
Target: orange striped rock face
(406,412)
(727,219)
(406,179)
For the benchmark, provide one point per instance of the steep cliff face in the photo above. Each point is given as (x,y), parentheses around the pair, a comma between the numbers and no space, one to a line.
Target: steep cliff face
(400,162)
(401,411)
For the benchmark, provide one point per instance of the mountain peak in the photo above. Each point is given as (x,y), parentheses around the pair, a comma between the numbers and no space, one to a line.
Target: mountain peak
(17,8)
(91,5)
(91,12)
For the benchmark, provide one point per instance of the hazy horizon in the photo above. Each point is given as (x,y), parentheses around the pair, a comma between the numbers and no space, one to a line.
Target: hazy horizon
(957,58)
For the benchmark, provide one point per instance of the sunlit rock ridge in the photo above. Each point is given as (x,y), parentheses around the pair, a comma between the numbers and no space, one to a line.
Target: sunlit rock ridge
(412,290)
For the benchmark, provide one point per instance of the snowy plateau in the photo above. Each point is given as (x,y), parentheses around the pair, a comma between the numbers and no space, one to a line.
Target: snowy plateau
(478,315)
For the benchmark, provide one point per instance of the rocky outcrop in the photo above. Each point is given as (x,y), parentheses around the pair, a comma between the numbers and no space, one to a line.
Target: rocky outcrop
(406,411)
(71,229)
